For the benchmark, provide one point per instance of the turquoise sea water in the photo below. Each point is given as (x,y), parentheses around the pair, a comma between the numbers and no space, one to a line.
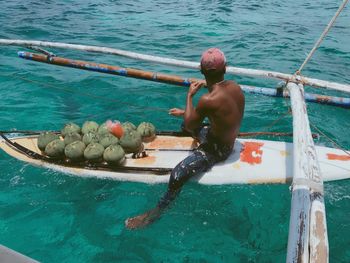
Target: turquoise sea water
(53,217)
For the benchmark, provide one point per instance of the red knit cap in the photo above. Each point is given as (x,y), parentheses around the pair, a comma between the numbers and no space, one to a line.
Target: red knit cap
(213,59)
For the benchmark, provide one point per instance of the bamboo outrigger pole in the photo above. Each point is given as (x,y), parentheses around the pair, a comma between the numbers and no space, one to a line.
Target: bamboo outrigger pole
(307,240)
(171,79)
(182,63)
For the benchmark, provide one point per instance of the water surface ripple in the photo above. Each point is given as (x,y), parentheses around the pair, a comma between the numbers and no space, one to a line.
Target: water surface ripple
(56,218)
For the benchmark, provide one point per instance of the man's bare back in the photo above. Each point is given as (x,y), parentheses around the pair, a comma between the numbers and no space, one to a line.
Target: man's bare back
(224,107)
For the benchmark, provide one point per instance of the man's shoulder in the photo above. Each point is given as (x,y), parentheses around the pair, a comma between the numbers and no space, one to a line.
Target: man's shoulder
(233,87)
(205,99)
(231,83)
(205,102)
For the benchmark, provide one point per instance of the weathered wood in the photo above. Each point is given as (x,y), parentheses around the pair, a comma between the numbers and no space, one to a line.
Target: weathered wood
(307,240)
(181,63)
(318,234)
(298,238)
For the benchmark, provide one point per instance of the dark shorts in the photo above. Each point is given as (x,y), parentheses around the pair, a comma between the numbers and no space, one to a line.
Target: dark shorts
(211,147)
(209,152)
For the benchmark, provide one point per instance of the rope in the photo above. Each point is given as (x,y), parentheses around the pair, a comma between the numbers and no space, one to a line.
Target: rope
(323,35)
(282,116)
(335,144)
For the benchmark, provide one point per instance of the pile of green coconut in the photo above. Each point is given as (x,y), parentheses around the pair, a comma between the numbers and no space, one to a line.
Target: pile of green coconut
(95,143)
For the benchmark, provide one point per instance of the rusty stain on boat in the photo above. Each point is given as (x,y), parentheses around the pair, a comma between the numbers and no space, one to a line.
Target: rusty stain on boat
(284,153)
(167,142)
(145,160)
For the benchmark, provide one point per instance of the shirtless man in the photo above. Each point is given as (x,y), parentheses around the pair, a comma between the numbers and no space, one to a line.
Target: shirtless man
(223,105)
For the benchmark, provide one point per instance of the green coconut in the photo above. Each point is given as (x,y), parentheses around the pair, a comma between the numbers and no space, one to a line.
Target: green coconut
(70,128)
(55,148)
(147,131)
(128,126)
(108,139)
(90,138)
(71,137)
(89,126)
(45,138)
(131,141)
(75,150)
(103,129)
(94,152)
(114,154)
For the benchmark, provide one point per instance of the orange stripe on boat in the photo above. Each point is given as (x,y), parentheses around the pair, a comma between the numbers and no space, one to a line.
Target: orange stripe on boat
(167,142)
(251,152)
(333,156)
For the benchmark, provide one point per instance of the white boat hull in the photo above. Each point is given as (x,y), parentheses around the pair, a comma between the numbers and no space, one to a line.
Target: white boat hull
(252,162)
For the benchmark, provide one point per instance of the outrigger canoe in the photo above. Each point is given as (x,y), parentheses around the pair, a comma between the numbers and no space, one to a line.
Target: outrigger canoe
(252,161)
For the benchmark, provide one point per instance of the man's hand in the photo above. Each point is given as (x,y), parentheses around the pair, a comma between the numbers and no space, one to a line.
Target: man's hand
(176,112)
(195,86)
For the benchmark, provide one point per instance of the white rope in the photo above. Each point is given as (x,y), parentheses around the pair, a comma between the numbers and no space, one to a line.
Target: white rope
(317,44)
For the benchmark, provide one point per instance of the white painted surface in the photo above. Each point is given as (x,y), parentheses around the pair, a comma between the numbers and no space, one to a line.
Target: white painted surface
(272,163)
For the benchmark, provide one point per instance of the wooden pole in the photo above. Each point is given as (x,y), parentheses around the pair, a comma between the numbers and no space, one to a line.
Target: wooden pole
(182,63)
(307,241)
(171,79)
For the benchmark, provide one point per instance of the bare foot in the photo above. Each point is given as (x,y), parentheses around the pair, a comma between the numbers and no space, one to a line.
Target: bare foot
(143,220)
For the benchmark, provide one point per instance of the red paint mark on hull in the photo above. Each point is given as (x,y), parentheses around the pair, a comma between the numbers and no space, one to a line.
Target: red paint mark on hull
(333,156)
(251,152)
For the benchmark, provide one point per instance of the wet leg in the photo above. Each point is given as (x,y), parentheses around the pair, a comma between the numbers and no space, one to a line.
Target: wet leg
(195,164)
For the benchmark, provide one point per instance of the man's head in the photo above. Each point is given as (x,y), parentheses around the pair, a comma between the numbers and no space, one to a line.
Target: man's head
(213,63)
